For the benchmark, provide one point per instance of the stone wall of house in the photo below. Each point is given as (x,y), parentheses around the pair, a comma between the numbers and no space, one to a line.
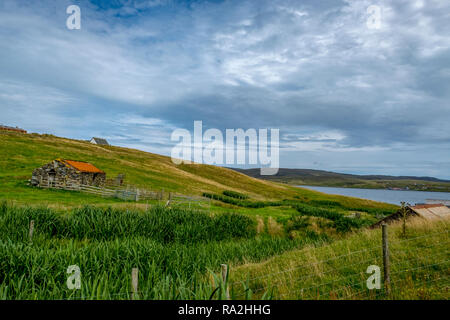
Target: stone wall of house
(93,179)
(56,172)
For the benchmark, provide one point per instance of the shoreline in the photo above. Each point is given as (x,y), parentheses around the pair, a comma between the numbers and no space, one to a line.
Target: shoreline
(386,195)
(369,188)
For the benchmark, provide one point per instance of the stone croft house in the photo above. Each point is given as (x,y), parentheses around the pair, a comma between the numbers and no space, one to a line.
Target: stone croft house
(62,172)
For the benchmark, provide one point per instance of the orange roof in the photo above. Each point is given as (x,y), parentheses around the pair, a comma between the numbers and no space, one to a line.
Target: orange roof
(82,166)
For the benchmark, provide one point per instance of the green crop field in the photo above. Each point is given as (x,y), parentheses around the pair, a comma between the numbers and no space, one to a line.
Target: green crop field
(21,154)
(172,248)
(179,247)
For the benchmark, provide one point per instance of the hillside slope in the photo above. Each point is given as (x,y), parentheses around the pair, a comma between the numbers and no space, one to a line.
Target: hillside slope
(21,153)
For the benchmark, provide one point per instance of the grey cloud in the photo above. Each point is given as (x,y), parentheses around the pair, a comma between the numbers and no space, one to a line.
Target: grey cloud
(301,66)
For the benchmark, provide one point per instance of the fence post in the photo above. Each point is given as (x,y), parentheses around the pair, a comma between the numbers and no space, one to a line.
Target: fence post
(224,269)
(31,230)
(137,194)
(386,264)
(134,283)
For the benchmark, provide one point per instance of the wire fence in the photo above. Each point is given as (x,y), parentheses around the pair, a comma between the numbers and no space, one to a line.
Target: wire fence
(363,251)
(424,262)
(310,280)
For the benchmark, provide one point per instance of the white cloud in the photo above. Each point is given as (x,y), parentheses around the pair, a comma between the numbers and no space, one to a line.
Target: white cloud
(309,68)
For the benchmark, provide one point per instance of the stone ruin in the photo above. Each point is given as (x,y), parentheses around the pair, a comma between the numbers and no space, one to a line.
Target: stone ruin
(61,172)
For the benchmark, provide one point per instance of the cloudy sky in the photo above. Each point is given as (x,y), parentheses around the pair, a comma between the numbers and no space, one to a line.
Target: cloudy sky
(347,95)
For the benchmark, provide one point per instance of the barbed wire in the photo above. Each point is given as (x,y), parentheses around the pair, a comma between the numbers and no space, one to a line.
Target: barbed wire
(420,248)
(361,273)
(354,264)
(338,257)
(311,264)
(398,281)
(430,265)
(375,292)
(319,273)
(419,237)
(402,262)
(344,287)
(361,282)
(393,284)
(401,271)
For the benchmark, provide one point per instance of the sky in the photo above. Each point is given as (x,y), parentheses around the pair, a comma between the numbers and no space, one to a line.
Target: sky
(346,96)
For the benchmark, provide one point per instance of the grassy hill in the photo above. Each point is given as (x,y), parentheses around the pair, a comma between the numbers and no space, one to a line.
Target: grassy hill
(256,226)
(21,153)
(334,179)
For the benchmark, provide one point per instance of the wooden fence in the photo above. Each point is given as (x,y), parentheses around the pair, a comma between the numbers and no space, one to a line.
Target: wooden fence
(129,193)
(175,199)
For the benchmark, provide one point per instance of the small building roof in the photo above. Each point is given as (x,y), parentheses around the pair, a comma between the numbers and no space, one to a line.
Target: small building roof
(81,166)
(426,211)
(431,211)
(100,141)
(8,128)
(438,201)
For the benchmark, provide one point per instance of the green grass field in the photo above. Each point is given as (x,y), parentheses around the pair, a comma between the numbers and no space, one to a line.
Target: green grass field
(244,222)
(179,252)
(420,267)
(173,249)
(22,153)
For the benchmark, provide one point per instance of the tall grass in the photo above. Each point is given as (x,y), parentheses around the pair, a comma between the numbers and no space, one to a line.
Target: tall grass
(420,267)
(242,202)
(328,209)
(341,222)
(173,249)
(234,194)
(164,225)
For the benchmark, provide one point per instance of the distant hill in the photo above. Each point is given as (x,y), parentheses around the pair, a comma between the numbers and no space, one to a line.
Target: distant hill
(22,153)
(334,179)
